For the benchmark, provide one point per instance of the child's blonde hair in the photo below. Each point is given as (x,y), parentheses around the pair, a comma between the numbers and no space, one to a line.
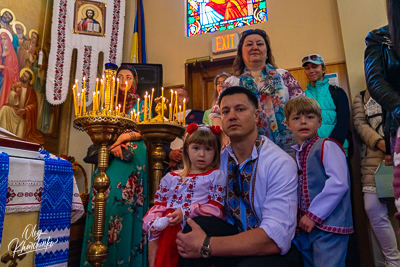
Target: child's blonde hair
(302,105)
(202,136)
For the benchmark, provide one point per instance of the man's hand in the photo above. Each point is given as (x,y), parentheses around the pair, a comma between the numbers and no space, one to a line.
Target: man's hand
(176,155)
(189,244)
(177,217)
(306,224)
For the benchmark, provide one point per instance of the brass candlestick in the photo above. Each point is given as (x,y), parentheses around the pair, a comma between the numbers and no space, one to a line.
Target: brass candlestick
(104,131)
(159,134)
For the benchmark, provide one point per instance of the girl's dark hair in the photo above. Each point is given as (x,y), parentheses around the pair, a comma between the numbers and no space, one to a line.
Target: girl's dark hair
(393,14)
(238,64)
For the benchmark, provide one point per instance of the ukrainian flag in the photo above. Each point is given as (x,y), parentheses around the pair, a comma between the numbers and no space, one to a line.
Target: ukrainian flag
(138,52)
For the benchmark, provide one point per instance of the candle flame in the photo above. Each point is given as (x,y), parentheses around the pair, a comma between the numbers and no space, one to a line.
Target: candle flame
(152,90)
(76,80)
(84,78)
(97,79)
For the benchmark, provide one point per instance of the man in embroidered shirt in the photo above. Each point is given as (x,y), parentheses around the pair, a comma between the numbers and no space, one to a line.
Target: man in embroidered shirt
(261,200)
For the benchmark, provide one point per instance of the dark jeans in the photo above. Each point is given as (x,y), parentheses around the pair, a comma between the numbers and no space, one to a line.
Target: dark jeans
(217,227)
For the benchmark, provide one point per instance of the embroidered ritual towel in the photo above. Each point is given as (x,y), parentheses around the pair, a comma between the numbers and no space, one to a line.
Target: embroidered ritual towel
(55,212)
(4,167)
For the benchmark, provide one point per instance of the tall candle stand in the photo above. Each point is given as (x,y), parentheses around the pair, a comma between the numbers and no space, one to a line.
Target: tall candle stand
(104,131)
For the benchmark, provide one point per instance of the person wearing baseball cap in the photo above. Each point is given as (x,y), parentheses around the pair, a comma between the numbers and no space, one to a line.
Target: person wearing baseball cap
(332,99)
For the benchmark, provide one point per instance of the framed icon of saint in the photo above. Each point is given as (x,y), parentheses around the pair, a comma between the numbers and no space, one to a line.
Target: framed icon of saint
(90,18)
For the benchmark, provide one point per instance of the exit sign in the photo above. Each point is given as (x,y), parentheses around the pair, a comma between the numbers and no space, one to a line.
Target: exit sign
(225,43)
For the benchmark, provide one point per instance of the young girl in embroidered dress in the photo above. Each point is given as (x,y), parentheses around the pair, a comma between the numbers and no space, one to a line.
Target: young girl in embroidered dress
(198,189)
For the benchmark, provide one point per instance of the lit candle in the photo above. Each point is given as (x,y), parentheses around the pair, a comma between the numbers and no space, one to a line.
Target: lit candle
(102,92)
(151,103)
(79,111)
(116,97)
(126,90)
(84,82)
(137,105)
(97,84)
(119,109)
(84,102)
(170,112)
(183,114)
(162,107)
(145,107)
(162,91)
(74,96)
(112,93)
(76,85)
(116,111)
(137,117)
(82,96)
(94,103)
(180,110)
(176,105)
(98,100)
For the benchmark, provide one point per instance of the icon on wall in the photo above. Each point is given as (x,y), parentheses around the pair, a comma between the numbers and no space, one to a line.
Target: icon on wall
(90,18)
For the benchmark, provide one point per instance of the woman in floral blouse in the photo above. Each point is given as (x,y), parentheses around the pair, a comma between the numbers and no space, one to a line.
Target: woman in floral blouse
(255,70)
(127,197)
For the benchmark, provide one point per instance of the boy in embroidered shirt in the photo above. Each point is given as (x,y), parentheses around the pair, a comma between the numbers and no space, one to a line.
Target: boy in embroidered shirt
(324,207)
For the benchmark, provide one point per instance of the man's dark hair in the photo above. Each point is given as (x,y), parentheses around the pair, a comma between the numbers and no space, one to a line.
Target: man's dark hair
(239,90)
(87,10)
(30,75)
(12,17)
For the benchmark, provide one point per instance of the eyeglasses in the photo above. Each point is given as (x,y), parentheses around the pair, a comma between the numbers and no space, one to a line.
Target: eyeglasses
(310,57)
(236,183)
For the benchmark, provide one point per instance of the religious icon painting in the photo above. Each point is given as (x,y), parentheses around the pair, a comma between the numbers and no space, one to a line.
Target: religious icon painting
(90,18)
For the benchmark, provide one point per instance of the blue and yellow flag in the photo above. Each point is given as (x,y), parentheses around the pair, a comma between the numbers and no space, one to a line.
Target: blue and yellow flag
(138,52)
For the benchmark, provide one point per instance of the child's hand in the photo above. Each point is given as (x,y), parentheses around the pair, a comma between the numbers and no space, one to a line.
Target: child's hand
(177,217)
(306,224)
(154,232)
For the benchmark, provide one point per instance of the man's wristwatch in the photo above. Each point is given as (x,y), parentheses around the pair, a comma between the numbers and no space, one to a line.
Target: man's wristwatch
(205,250)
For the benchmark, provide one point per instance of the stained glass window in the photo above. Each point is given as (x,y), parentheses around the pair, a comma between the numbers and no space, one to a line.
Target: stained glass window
(205,16)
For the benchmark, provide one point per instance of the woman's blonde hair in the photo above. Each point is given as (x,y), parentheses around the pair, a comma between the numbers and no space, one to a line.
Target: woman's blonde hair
(202,136)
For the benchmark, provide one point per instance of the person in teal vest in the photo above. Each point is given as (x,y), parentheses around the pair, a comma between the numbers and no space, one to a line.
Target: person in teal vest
(332,99)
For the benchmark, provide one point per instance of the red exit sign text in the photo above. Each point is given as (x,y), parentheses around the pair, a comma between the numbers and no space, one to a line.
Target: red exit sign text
(225,43)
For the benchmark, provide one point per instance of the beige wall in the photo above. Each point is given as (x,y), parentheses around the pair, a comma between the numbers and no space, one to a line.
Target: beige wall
(296,28)
(357,18)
